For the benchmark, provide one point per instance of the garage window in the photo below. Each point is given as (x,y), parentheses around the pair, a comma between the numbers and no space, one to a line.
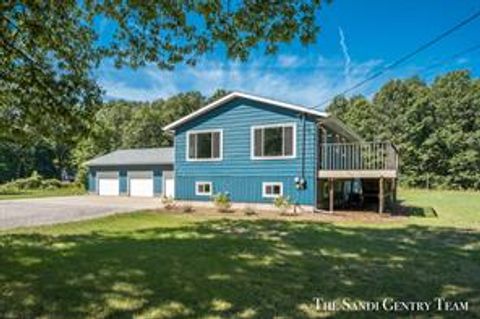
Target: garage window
(203,188)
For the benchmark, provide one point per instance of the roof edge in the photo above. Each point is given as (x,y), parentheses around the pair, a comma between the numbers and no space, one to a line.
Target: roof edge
(237,94)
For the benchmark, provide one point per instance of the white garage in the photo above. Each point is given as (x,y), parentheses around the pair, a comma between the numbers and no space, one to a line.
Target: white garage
(168,184)
(108,184)
(140,183)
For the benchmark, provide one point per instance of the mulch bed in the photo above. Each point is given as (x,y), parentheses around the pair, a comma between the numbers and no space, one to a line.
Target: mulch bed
(337,216)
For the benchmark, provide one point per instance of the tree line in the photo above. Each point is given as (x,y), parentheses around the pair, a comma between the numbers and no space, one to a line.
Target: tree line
(435,127)
(49,98)
(114,125)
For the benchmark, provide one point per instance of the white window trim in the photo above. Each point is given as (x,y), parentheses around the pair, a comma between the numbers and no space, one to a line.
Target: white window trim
(197,193)
(252,141)
(264,187)
(188,159)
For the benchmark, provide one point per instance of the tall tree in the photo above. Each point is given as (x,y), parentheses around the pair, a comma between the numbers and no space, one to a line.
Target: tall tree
(47,49)
(436,128)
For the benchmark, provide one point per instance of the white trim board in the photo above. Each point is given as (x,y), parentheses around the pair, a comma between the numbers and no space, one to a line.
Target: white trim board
(264,186)
(280,157)
(217,130)
(251,97)
(197,193)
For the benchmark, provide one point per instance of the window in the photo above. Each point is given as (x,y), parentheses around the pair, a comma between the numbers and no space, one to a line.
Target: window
(273,141)
(204,145)
(272,189)
(203,188)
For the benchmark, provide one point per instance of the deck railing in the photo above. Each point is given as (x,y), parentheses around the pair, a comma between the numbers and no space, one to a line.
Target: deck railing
(358,156)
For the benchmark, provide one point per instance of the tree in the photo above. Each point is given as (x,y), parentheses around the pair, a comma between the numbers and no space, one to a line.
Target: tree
(48,50)
(358,112)
(436,128)
(457,103)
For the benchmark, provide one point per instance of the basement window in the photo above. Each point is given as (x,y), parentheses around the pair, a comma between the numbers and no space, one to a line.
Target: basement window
(272,189)
(203,188)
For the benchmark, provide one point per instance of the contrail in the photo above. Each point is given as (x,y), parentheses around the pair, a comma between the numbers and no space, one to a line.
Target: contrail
(348,60)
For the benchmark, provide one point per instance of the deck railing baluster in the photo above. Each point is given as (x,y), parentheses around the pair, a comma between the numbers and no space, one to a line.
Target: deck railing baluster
(358,156)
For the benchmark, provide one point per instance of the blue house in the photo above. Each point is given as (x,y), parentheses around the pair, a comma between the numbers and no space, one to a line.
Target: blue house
(256,149)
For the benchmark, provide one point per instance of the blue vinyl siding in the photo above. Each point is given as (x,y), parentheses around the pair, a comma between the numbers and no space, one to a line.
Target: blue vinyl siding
(237,173)
(157,181)
(245,189)
(92,181)
(123,181)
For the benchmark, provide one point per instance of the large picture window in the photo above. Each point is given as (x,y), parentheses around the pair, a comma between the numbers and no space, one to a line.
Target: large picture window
(204,145)
(273,141)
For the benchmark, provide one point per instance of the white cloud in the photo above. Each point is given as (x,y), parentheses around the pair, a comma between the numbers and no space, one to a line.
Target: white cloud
(346,55)
(288,60)
(308,81)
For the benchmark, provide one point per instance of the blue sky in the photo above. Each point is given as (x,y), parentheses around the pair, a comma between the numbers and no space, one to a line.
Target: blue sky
(357,39)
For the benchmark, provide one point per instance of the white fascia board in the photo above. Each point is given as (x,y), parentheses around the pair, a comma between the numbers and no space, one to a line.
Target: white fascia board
(233,95)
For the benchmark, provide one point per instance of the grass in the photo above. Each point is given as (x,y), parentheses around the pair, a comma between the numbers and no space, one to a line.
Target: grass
(167,265)
(454,208)
(62,191)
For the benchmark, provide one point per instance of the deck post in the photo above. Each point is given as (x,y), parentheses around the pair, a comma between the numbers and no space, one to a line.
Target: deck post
(381,197)
(331,192)
(394,186)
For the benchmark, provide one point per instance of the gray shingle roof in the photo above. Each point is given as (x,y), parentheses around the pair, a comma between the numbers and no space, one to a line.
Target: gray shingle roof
(139,156)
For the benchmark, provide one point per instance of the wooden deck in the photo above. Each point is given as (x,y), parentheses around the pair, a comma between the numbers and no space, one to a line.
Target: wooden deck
(349,174)
(373,159)
(364,161)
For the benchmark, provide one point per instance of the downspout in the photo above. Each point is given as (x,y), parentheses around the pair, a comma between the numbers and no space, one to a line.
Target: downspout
(319,155)
(300,180)
(324,138)
(303,146)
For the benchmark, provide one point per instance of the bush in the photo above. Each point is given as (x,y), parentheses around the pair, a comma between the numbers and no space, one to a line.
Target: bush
(32,182)
(35,181)
(188,209)
(282,203)
(51,183)
(81,178)
(9,189)
(222,202)
(249,211)
(168,202)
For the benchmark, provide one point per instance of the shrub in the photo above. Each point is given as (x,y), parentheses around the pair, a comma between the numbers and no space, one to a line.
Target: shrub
(249,211)
(282,203)
(9,189)
(81,178)
(188,209)
(32,182)
(222,202)
(168,202)
(51,183)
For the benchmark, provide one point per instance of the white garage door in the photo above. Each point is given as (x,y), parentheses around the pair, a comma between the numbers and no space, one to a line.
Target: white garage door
(108,184)
(169,184)
(141,184)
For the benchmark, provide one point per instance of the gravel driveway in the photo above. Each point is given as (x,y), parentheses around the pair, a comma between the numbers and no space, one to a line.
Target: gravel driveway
(52,210)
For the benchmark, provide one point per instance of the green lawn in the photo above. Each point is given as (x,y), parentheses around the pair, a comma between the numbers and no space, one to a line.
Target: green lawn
(158,265)
(63,191)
